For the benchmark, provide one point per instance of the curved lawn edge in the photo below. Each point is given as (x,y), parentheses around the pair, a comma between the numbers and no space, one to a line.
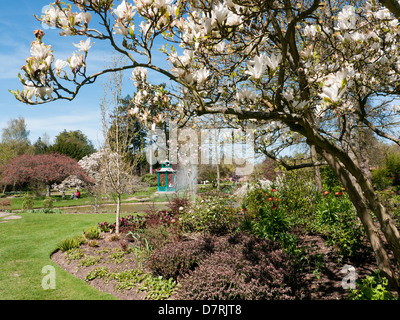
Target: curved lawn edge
(27,245)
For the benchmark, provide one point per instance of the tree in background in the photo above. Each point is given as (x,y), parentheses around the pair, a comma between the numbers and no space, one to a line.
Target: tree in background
(14,140)
(35,172)
(42,144)
(134,129)
(74,144)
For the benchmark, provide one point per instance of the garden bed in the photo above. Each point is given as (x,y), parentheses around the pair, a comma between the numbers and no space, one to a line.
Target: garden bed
(325,284)
(210,249)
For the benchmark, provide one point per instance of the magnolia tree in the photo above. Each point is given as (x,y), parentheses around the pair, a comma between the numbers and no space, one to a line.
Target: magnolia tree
(304,71)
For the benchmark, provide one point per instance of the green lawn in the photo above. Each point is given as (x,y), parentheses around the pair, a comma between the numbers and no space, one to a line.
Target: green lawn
(25,248)
(149,195)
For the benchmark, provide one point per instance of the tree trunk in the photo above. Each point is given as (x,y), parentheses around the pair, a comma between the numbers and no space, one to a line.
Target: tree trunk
(48,190)
(118,213)
(317,172)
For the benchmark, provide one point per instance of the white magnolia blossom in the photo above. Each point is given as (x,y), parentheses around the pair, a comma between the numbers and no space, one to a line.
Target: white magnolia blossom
(84,45)
(202,75)
(246,94)
(162,3)
(334,86)
(139,74)
(346,18)
(120,28)
(76,61)
(60,64)
(257,67)
(310,31)
(133,111)
(125,11)
(40,51)
(140,4)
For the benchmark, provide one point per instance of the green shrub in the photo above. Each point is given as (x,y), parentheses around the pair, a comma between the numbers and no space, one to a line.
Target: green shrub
(297,193)
(212,215)
(48,203)
(271,223)
(335,218)
(371,288)
(151,179)
(393,166)
(70,243)
(28,202)
(380,178)
(92,233)
(254,199)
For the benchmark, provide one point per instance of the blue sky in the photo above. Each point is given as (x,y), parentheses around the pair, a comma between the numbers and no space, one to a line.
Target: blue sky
(17,23)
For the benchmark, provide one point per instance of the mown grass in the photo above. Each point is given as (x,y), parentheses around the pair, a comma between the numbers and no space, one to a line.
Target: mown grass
(149,195)
(26,246)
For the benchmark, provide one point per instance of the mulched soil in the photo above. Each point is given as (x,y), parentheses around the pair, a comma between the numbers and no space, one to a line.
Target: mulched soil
(325,285)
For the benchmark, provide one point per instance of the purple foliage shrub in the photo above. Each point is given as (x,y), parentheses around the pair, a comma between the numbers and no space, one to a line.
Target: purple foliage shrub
(176,259)
(244,267)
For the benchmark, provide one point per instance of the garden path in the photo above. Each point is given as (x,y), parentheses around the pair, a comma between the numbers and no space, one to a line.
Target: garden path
(4,217)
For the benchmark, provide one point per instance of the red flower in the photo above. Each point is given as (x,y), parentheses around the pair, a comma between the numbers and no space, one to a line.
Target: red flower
(326,192)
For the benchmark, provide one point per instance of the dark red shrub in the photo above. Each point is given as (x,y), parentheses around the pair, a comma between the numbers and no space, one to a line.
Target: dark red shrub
(36,171)
(244,267)
(176,259)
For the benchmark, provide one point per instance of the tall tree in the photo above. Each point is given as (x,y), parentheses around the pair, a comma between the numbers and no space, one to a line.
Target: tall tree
(15,137)
(308,68)
(74,144)
(16,132)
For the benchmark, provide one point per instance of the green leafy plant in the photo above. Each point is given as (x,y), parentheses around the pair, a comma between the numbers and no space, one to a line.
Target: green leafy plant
(92,233)
(74,254)
(28,202)
(336,220)
(89,261)
(212,215)
(140,247)
(254,199)
(48,203)
(70,243)
(99,272)
(373,287)
(157,288)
